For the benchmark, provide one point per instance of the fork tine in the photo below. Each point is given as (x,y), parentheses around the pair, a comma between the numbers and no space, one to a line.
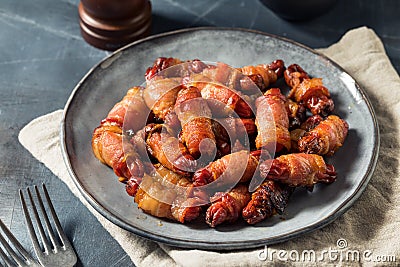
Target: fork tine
(10,251)
(31,230)
(57,223)
(60,255)
(39,224)
(46,219)
(5,258)
(15,243)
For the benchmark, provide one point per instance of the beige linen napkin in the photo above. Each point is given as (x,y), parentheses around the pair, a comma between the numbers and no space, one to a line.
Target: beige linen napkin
(369,227)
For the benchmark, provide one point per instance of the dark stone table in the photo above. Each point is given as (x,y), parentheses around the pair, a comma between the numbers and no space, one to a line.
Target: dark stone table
(42,57)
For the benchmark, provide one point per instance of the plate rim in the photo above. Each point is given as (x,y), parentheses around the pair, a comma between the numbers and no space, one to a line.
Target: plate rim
(222,245)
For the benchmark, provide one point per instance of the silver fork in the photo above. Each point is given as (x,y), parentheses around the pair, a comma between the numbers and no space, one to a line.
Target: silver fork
(55,254)
(25,261)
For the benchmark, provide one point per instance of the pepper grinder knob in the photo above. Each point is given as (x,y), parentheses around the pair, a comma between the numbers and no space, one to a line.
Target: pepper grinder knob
(111,24)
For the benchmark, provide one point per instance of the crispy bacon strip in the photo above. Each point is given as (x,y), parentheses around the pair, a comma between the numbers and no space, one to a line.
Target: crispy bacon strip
(277,132)
(195,117)
(309,91)
(186,209)
(161,194)
(230,167)
(107,147)
(133,104)
(169,151)
(269,198)
(160,95)
(147,198)
(263,75)
(294,75)
(298,169)
(297,133)
(223,101)
(107,139)
(221,74)
(227,207)
(243,79)
(159,65)
(326,138)
(229,130)
(314,95)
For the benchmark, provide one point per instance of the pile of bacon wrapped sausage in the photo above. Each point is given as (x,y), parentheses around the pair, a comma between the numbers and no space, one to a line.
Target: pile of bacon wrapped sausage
(183,134)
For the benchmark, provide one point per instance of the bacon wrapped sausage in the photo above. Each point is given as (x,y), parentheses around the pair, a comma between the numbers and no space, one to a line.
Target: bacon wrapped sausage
(237,128)
(107,139)
(125,157)
(223,101)
(169,151)
(243,79)
(195,117)
(269,134)
(235,167)
(297,133)
(326,138)
(229,130)
(221,74)
(160,95)
(148,195)
(263,75)
(162,67)
(131,105)
(107,147)
(153,139)
(298,169)
(186,209)
(159,65)
(269,198)
(314,95)
(161,194)
(294,75)
(309,91)
(227,207)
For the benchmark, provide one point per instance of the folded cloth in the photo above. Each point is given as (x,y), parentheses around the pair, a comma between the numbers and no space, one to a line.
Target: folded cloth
(369,227)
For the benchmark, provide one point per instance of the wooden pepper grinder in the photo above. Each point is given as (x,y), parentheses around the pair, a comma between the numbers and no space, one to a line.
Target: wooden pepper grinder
(111,24)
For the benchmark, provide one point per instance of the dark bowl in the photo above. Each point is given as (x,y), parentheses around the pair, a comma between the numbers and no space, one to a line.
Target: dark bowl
(298,10)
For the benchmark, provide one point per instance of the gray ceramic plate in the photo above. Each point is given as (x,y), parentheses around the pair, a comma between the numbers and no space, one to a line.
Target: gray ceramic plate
(108,82)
